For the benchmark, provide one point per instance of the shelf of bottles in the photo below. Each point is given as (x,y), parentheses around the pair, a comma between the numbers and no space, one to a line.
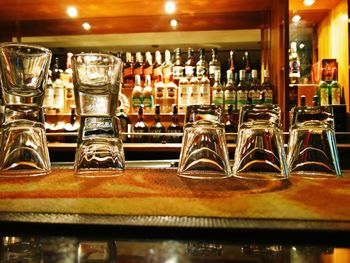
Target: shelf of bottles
(155,93)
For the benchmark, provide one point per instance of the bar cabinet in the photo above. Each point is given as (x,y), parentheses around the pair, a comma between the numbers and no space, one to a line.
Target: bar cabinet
(150,206)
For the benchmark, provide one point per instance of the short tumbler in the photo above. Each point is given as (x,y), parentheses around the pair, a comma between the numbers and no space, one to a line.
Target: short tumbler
(96,80)
(204,153)
(260,150)
(24,72)
(312,148)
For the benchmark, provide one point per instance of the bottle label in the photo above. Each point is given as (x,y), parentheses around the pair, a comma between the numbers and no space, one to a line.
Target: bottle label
(268,96)
(294,69)
(183,95)
(136,101)
(217,97)
(178,72)
(212,70)
(200,71)
(148,71)
(230,97)
(189,71)
(148,101)
(171,92)
(138,71)
(241,99)
(335,95)
(324,96)
(127,72)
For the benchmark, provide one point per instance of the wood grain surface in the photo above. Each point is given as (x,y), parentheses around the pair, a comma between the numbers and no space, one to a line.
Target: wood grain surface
(160,192)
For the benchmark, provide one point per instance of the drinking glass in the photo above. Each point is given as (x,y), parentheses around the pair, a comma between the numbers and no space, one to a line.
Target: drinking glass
(96,80)
(312,147)
(260,150)
(204,151)
(24,72)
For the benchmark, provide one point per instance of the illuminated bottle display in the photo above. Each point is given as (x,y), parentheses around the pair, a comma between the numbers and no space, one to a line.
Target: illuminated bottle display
(294,64)
(167,66)
(194,96)
(178,67)
(323,88)
(190,65)
(267,87)
(160,93)
(140,127)
(138,66)
(157,66)
(175,127)
(217,90)
(157,127)
(204,86)
(241,90)
(147,95)
(254,88)
(230,92)
(335,88)
(202,66)
(137,94)
(171,94)
(183,93)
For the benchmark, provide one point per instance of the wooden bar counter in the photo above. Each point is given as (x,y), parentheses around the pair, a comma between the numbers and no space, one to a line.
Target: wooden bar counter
(154,196)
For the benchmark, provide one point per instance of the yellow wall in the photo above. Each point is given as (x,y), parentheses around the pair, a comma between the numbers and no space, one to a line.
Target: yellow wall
(333,42)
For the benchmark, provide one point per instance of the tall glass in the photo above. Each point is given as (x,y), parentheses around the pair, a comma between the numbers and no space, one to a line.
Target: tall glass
(96,80)
(204,153)
(24,72)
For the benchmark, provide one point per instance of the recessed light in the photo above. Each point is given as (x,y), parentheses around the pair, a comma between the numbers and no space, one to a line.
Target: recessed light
(309,2)
(173,23)
(86,26)
(72,11)
(170,7)
(296,18)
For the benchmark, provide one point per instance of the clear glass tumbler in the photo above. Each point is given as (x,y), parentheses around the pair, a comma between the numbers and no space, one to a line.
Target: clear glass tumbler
(260,150)
(96,80)
(312,147)
(24,72)
(204,153)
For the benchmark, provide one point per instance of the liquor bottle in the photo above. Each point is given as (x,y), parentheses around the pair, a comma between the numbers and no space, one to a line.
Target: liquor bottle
(190,64)
(232,67)
(254,87)
(178,67)
(49,93)
(140,127)
(183,93)
(267,87)
(214,65)
(323,89)
(201,65)
(157,127)
(229,125)
(171,94)
(138,65)
(205,89)
(247,67)
(147,95)
(175,127)
(230,92)
(69,96)
(58,94)
(128,75)
(217,90)
(302,101)
(241,90)
(335,88)
(294,64)
(194,90)
(160,93)
(167,66)
(148,65)
(136,95)
(72,126)
(56,71)
(157,66)
(68,73)
(124,124)
(315,100)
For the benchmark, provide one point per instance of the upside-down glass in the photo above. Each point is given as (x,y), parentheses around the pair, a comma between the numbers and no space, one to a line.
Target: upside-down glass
(96,80)
(260,150)
(24,71)
(312,147)
(204,153)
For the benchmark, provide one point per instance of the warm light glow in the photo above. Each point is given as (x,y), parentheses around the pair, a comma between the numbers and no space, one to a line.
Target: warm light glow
(173,22)
(301,46)
(170,7)
(72,11)
(309,2)
(86,26)
(296,18)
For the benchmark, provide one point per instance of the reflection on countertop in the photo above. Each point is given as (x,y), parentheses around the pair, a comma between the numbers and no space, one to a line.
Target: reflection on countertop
(54,249)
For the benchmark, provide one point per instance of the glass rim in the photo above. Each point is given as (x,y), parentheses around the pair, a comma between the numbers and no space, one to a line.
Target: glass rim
(24,45)
(96,54)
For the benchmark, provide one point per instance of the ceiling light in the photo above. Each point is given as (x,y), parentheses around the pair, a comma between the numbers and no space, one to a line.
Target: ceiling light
(170,7)
(86,26)
(309,2)
(173,23)
(72,11)
(296,18)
